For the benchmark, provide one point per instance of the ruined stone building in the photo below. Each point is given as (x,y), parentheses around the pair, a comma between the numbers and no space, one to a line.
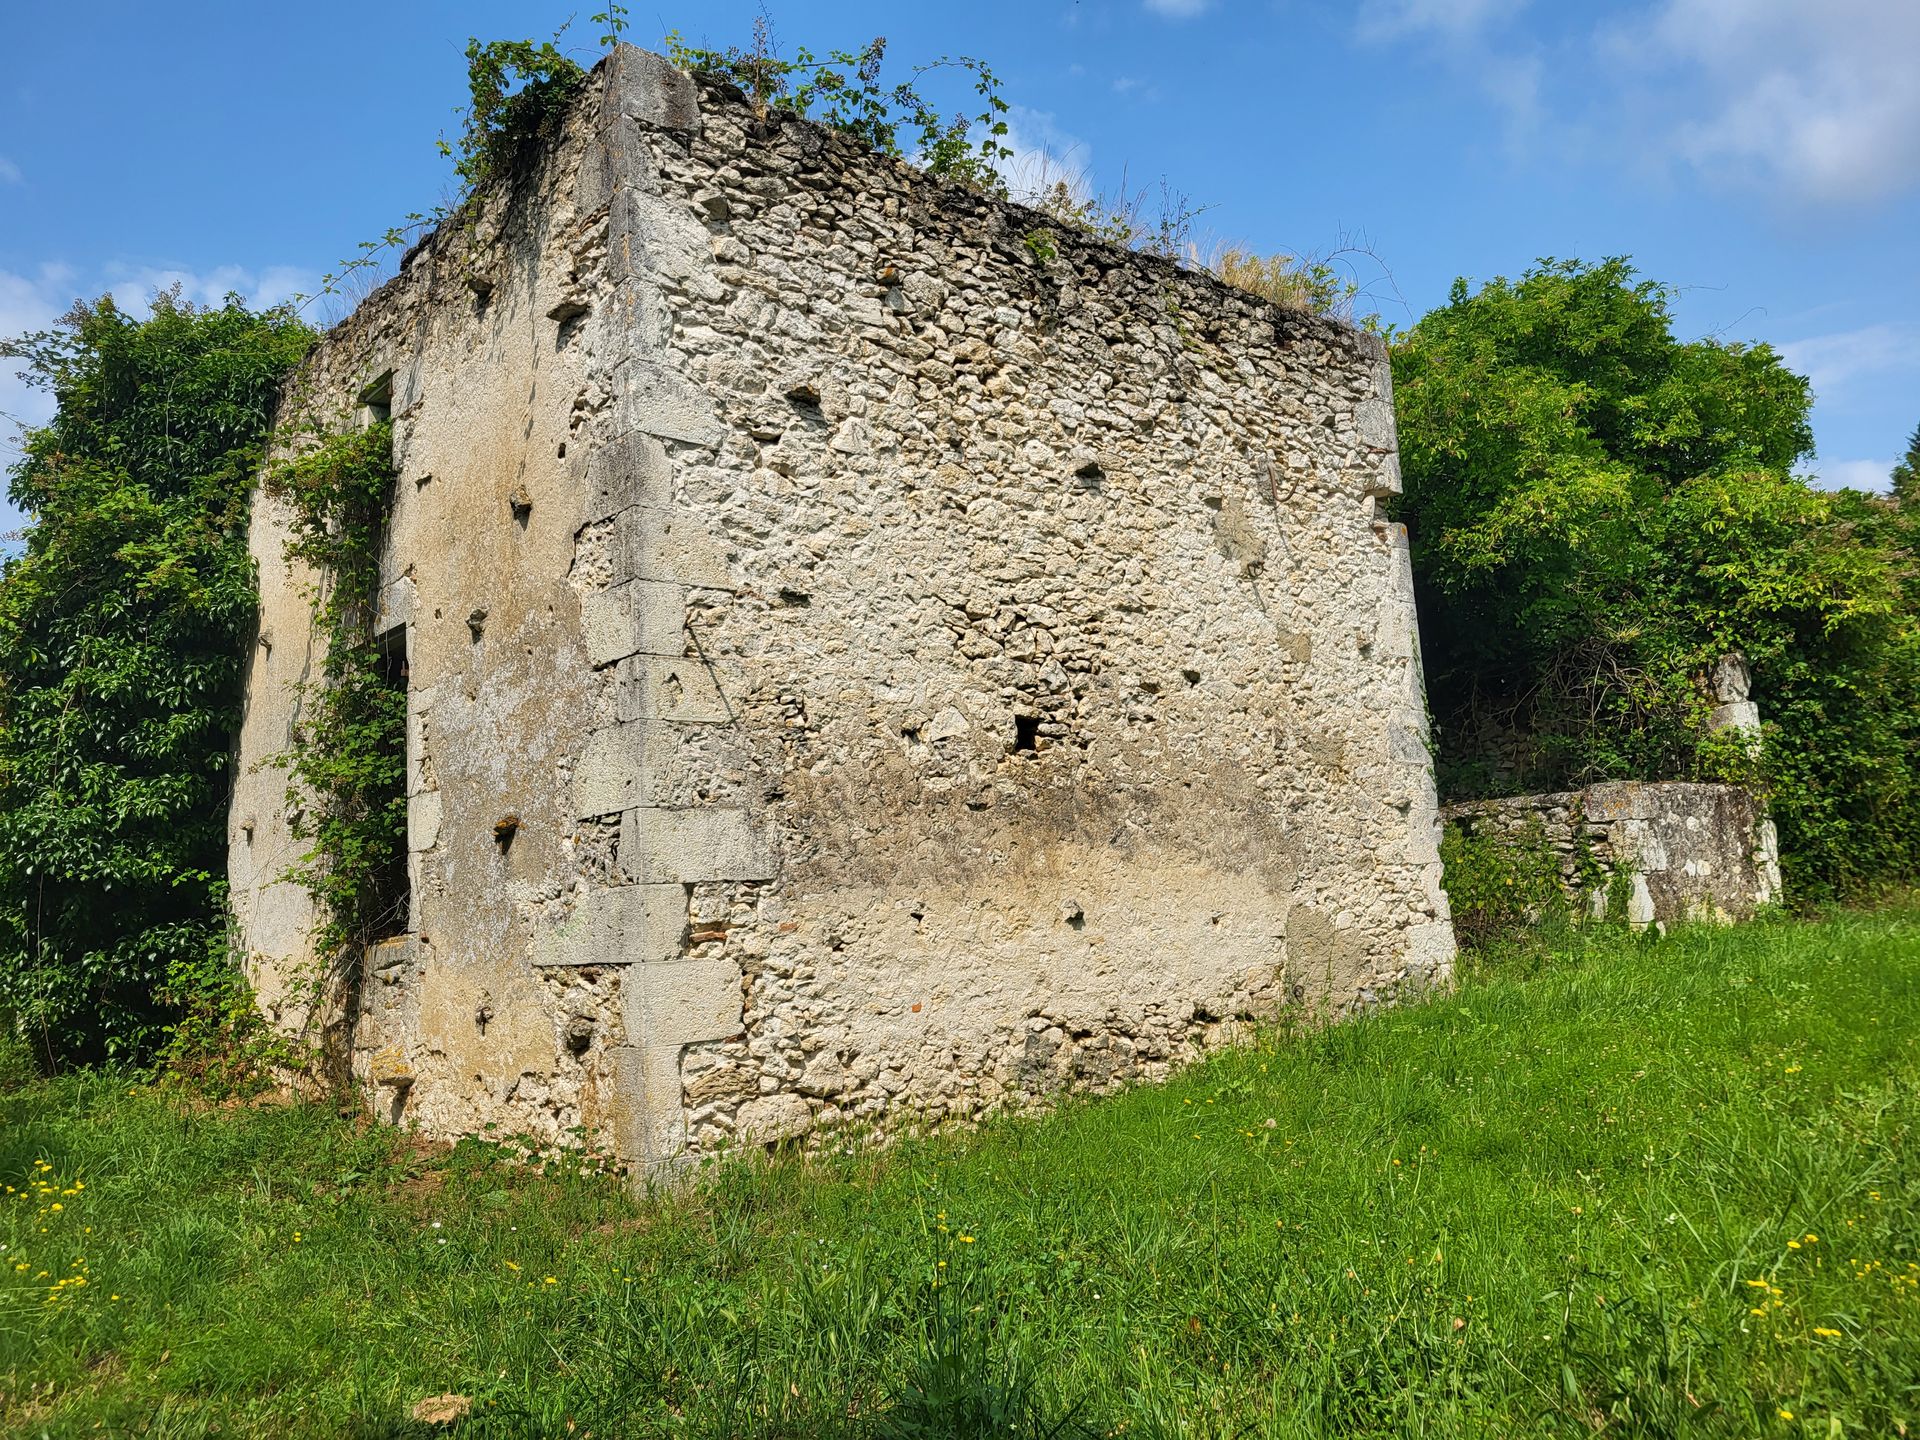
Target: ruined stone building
(872,656)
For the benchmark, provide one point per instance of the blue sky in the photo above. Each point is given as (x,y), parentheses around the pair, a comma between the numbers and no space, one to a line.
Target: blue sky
(1761,155)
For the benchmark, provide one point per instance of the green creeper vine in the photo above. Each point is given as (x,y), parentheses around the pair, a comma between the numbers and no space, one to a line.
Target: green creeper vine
(844,91)
(347,769)
(518,92)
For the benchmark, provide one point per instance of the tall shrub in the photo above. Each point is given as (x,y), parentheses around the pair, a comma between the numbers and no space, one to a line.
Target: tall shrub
(1600,510)
(122,630)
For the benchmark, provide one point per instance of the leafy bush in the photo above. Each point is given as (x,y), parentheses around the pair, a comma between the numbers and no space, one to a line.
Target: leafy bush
(1498,882)
(122,630)
(1599,512)
(518,92)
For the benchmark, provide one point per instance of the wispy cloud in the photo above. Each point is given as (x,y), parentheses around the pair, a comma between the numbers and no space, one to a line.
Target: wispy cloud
(1832,362)
(9,172)
(1133,85)
(1178,9)
(1803,103)
(1455,19)
(1810,101)
(1043,155)
(1464,36)
(131,285)
(1852,474)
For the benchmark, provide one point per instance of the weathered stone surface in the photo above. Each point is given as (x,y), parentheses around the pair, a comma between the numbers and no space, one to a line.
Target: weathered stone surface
(920,679)
(630,924)
(1688,852)
(640,617)
(659,844)
(683,1001)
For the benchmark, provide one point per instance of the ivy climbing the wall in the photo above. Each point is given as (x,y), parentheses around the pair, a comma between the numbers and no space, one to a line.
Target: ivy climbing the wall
(347,769)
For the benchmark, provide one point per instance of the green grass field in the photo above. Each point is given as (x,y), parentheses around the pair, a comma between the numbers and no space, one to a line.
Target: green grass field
(1612,1188)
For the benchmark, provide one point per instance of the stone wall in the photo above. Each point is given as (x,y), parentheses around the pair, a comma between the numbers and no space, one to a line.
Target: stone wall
(923,669)
(1683,851)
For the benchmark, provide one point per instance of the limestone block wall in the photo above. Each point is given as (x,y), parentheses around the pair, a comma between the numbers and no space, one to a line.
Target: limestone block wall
(924,669)
(1686,851)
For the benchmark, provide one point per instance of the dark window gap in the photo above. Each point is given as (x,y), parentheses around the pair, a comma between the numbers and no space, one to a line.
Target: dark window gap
(391,903)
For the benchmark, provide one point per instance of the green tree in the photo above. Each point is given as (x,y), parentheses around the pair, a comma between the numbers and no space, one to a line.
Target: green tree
(1600,510)
(1906,474)
(122,631)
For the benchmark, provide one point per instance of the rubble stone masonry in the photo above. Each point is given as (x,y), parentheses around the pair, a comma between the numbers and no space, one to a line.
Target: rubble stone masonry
(867,666)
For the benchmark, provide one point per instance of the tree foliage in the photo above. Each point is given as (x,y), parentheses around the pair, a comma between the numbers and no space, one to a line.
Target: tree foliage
(122,630)
(1599,511)
(1906,473)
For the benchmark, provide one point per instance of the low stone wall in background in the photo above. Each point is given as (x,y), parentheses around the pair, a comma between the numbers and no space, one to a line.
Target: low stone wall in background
(1669,851)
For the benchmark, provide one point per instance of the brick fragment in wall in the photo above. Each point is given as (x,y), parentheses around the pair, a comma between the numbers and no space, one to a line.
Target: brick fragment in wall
(659,844)
(624,925)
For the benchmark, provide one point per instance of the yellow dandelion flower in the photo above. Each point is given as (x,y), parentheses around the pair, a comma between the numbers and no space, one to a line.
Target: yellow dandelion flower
(1825,1333)
(510,1265)
(549,1281)
(966,1239)
(1786,1414)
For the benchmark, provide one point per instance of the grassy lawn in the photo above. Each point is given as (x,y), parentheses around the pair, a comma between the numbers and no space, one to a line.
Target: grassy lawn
(1617,1188)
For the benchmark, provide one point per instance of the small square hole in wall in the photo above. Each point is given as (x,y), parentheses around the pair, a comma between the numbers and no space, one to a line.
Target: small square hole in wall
(1026,733)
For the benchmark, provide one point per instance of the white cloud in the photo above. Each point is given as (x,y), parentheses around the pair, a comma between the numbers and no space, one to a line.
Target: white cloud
(131,285)
(1813,102)
(1454,19)
(1043,155)
(1178,9)
(28,303)
(1852,474)
(1510,75)
(1833,361)
(1810,102)
(9,172)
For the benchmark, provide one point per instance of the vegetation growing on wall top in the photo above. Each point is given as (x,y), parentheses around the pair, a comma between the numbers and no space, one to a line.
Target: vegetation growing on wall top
(843,90)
